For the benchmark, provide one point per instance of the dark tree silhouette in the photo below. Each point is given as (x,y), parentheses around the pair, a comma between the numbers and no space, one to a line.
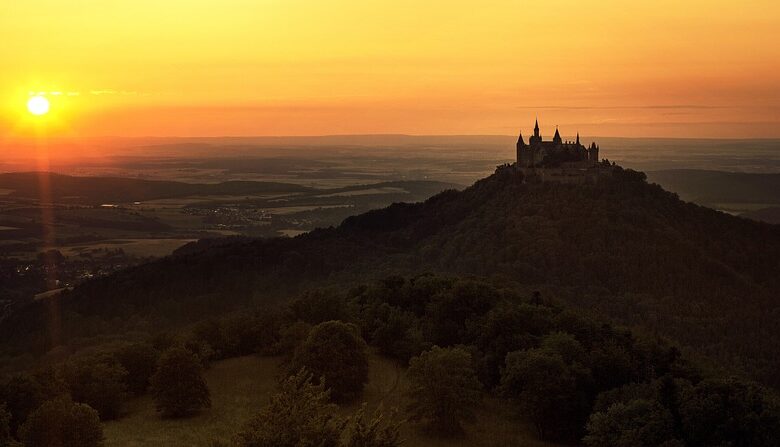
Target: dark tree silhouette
(443,389)
(334,350)
(178,386)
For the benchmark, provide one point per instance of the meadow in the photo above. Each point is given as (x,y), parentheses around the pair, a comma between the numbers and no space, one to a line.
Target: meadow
(240,386)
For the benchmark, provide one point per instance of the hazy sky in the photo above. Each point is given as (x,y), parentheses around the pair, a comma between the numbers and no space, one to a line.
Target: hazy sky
(306,67)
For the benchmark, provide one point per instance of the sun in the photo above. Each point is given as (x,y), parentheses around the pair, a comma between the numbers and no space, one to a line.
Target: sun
(38,105)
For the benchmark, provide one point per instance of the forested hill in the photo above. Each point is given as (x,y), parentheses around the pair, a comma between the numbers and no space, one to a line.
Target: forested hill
(623,247)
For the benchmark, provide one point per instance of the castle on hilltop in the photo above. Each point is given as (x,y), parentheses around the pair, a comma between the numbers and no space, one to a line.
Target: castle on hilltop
(557,160)
(538,153)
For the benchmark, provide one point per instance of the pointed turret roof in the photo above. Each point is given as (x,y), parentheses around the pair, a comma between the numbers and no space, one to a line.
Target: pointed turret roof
(578,138)
(520,140)
(536,125)
(557,137)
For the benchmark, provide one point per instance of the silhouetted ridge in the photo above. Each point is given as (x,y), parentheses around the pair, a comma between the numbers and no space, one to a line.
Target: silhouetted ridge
(622,247)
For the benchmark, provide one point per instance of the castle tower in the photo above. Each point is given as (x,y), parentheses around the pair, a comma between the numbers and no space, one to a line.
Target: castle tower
(536,128)
(593,152)
(557,137)
(578,138)
(520,148)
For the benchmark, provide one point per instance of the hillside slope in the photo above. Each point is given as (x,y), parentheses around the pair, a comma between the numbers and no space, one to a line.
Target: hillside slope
(623,247)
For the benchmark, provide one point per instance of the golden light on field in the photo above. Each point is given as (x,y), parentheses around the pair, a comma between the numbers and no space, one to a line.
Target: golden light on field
(38,105)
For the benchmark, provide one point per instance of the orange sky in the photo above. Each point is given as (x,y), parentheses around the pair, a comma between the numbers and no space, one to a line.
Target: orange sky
(306,67)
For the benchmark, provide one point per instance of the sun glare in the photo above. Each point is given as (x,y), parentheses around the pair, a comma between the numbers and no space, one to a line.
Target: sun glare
(38,105)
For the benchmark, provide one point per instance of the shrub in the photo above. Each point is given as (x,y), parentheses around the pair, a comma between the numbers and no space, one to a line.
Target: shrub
(377,432)
(335,351)
(62,423)
(290,337)
(5,426)
(638,423)
(298,415)
(140,362)
(177,385)
(729,412)
(443,389)
(98,381)
(23,393)
(553,393)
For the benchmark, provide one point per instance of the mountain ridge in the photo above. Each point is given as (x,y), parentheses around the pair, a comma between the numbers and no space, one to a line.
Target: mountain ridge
(622,247)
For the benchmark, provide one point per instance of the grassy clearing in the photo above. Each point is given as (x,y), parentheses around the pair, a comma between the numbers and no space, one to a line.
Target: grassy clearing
(240,386)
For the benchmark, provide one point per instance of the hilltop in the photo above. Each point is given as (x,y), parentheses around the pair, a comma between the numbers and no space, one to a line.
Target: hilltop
(623,248)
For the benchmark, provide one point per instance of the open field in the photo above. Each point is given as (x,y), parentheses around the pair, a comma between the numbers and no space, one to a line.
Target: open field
(132,247)
(240,386)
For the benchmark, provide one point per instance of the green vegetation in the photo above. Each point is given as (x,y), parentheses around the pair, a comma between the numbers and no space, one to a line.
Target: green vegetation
(624,248)
(61,422)
(444,389)
(177,386)
(334,352)
(140,362)
(300,414)
(98,381)
(241,387)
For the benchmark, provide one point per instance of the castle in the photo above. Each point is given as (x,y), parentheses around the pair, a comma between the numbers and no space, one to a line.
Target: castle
(558,160)
(538,153)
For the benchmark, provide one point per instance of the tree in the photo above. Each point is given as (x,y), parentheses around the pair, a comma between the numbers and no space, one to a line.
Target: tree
(443,389)
(5,426)
(98,381)
(549,390)
(377,432)
(177,385)
(450,311)
(62,423)
(729,412)
(299,415)
(637,423)
(22,394)
(140,362)
(335,351)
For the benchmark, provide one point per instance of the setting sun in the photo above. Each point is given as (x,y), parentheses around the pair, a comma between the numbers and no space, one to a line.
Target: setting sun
(38,105)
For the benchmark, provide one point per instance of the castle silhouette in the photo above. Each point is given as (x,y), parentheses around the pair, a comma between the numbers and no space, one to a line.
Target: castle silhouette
(539,153)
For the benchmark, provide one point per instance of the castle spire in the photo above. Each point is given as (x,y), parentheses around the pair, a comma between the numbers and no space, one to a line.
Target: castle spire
(520,141)
(536,128)
(578,138)
(557,138)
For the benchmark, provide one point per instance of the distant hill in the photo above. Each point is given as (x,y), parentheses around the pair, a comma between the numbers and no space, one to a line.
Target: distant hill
(768,215)
(100,190)
(719,187)
(623,248)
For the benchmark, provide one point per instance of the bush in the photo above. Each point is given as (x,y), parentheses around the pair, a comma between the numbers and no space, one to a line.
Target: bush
(729,412)
(178,386)
(98,381)
(299,415)
(5,426)
(23,393)
(377,432)
(638,423)
(553,393)
(335,351)
(62,423)
(140,362)
(290,337)
(443,389)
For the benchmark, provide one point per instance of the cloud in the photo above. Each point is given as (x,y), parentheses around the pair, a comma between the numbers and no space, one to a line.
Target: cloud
(648,107)
(112,92)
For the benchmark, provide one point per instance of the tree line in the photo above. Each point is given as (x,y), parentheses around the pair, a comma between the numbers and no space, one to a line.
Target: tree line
(576,378)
